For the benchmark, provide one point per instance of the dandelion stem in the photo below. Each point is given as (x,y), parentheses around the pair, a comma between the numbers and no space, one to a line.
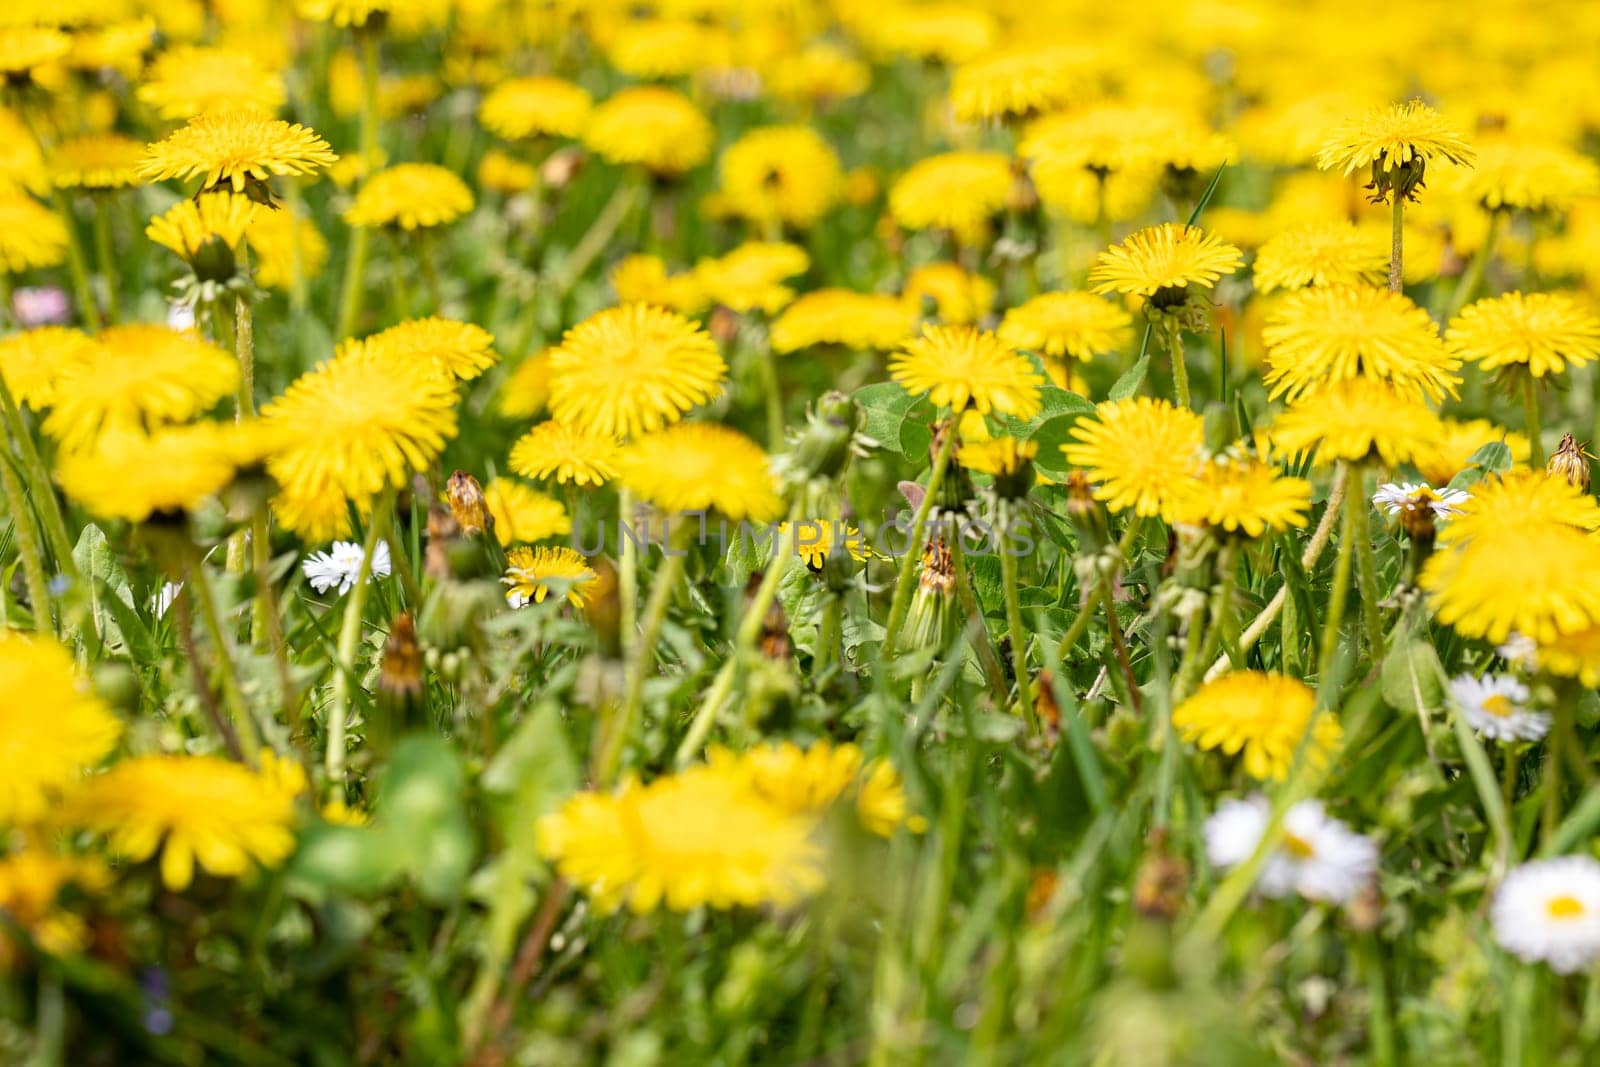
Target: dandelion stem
(1019,637)
(980,631)
(1397,237)
(27,545)
(614,734)
(227,675)
(772,387)
(244,348)
(1180,370)
(266,621)
(1221,613)
(628,580)
(599,235)
(1531,421)
(349,637)
(105,257)
(355,267)
(44,497)
(1366,564)
(901,600)
(1339,592)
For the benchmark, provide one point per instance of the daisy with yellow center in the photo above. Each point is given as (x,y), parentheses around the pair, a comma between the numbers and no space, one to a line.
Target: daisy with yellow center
(1540,333)
(750,278)
(55,727)
(96,162)
(955,191)
(523,514)
(188,80)
(410,196)
(1318,254)
(698,466)
(1018,82)
(1140,453)
(1336,333)
(1264,717)
(785,174)
(35,361)
(960,367)
(1548,911)
(1162,262)
(1355,419)
(462,350)
(1397,142)
(563,452)
(237,149)
(31,235)
(350,428)
(195,809)
(863,322)
(655,128)
(631,370)
(531,570)
(1242,495)
(113,480)
(137,378)
(957,297)
(535,106)
(288,249)
(1067,325)
(205,232)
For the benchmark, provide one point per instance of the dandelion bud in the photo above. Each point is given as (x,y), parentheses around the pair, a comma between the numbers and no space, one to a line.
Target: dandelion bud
(467,505)
(823,448)
(399,683)
(1570,462)
(933,621)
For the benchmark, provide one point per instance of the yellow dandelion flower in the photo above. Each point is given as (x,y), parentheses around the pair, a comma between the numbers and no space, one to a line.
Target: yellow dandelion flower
(958,367)
(698,466)
(565,453)
(701,837)
(947,33)
(502,172)
(632,369)
(1242,495)
(750,278)
(351,427)
(810,780)
(1397,142)
(1356,419)
(35,361)
(1164,260)
(817,73)
(530,570)
(352,13)
(33,885)
(113,479)
(1451,451)
(1335,333)
(783,174)
(1541,579)
(138,377)
(534,107)
(955,191)
(235,148)
(656,128)
(815,540)
(31,235)
(643,279)
(26,48)
(1141,453)
(958,297)
(205,231)
(522,514)
(21,164)
(96,161)
(1067,325)
(116,45)
(526,391)
(1262,716)
(54,725)
(286,245)
(1318,254)
(1019,82)
(410,196)
(1543,333)
(861,321)
(462,350)
(1527,175)
(194,809)
(1505,501)
(188,80)
(1573,655)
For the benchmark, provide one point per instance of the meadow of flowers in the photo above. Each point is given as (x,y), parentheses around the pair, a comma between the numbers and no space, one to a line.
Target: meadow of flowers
(799,532)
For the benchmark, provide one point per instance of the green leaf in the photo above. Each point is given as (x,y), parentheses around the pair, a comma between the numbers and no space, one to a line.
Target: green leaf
(889,418)
(533,770)
(102,579)
(1059,412)
(1410,677)
(345,859)
(1493,458)
(1130,382)
(142,645)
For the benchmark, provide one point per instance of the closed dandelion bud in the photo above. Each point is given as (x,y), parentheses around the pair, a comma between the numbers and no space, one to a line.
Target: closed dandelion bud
(1158,890)
(399,683)
(933,621)
(823,448)
(1365,910)
(775,634)
(1042,886)
(214,261)
(1570,462)
(467,505)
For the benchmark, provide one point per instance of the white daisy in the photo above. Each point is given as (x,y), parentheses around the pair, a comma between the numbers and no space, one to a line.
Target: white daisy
(1518,650)
(1396,498)
(1319,857)
(339,565)
(1496,706)
(1549,910)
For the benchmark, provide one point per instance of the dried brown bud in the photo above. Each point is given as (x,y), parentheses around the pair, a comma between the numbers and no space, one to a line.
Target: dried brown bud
(1045,707)
(443,532)
(724,325)
(938,568)
(561,167)
(1041,890)
(400,671)
(1571,462)
(467,505)
(1159,887)
(775,644)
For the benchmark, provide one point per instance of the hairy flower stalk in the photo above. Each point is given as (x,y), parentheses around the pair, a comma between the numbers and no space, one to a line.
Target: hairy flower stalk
(349,638)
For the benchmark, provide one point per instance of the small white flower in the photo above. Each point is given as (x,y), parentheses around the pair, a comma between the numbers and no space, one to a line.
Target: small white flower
(1549,910)
(339,565)
(1518,650)
(163,599)
(180,317)
(1397,497)
(1496,706)
(1319,857)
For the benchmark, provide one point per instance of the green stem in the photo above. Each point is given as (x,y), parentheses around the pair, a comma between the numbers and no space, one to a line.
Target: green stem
(349,638)
(44,496)
(232,695)
(772,386)
(27,545)
(1397,236)
(1339,592)
(599,235)
(628,580)
(430,276)
(355,267)
(827,650)
(1019,637)
(1531,421)
(901,600)
(1366,564)
(1180,370)
(89,308)
(1221,614)
(106,257)
(244,347)
(1472,277)
(614,738)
